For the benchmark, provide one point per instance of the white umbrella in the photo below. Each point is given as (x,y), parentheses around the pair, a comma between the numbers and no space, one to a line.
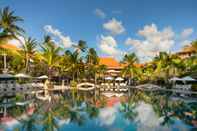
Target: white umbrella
(119,79)
(43,77)
(112,71)
(188,78)
(21,75)
(109,78)
(6,76)
(176,79)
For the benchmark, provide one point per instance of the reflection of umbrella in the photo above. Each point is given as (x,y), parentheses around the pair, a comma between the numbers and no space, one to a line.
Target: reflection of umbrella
(119,79)
(43,77)
(21,75)
(109,78)
(188,78)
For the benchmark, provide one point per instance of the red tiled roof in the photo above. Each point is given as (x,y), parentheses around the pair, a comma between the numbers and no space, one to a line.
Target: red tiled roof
(109,62)
(9,46)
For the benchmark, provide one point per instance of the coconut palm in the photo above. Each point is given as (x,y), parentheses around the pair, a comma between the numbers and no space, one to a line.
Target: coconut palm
(74,63)
(91,63)
(130,69)
(92,57)
(29,50)
(81,47)
(101,69)
(50,54)
(194,45)
(8,25)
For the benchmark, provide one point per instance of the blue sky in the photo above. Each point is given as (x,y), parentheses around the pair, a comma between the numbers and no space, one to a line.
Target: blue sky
(113,27)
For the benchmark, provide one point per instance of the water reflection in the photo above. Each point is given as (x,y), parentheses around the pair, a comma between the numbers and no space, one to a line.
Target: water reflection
(140,111)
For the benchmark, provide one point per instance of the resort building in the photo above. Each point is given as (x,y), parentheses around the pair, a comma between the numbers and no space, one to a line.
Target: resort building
(186,52)
(113,66)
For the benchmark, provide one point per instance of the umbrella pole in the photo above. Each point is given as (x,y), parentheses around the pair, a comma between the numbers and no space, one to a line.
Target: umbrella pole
(5,63)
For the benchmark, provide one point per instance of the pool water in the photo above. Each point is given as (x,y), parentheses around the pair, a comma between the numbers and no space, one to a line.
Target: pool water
(141,111)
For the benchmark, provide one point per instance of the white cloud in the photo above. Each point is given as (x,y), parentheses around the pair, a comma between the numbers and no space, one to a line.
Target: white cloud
(115,27)
(184,36)
(108,45)
(100,13)
(185,42)
(65,40)
(16,42)
(186,33)
(107,116)
(154,41)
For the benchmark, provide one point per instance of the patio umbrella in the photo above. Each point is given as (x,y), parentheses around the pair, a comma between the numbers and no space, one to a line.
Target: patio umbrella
(119,79)
(109,78)
(176,79)
(21,75)
(6,76)
(112,71)
(43,77)
(188,78)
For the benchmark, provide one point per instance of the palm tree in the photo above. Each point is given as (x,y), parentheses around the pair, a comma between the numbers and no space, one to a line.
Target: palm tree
(101,69)
(81,47)
(74,63)
(8,25)
(130,69)
(162,61)
(91,63)
(92,57)
(29,50)
(50,54)
(194,45)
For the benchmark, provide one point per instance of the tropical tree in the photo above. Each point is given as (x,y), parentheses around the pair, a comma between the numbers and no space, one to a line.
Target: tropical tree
(81,47)
(92,61)
(8,25)
(194,45)
(29,50)
(50,54)
(74,63)
(101,69)
(130,70)
(92,57)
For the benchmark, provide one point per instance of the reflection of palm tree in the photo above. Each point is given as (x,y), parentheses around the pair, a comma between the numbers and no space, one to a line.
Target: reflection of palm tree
(49,121)
(129,110)
(92,111)
(30,123)
(163,108)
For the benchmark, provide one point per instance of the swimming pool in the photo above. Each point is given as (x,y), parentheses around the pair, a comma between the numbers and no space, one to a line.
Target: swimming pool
(139,111)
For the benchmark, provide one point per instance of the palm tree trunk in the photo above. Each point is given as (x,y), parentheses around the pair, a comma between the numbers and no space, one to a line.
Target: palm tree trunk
(27,65)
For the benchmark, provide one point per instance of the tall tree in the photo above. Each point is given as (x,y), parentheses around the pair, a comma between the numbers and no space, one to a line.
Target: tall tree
(29,50)
(8,25)
(81,47)
(50,54)
(74,63)
(130,70)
